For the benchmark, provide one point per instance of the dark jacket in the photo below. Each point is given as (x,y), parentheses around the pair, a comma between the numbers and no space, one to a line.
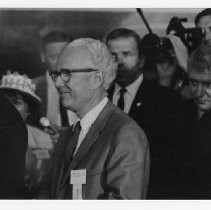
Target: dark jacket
(200,156)
(161,112)
(13,145)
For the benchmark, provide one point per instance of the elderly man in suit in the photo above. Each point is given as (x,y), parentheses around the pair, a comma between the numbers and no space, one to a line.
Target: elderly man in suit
(106,154)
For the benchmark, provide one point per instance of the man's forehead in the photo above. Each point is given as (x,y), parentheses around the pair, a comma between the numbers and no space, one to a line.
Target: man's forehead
(75,58)
(123,43)
(55,45)
(204,21)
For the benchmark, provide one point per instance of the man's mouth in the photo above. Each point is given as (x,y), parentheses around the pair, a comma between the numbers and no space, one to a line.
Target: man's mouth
(201,101)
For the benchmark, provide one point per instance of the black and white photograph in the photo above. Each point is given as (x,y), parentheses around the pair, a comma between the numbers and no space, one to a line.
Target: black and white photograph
(105,103)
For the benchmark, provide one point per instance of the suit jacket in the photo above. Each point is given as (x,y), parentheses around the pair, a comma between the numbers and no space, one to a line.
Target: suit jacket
(115,155)
(200,156)
(13,145)
(162,113)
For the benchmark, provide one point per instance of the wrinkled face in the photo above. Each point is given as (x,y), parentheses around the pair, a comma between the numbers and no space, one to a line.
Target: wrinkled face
(205,23)
(125,51)
(77,92)
(51,54)
(201,88)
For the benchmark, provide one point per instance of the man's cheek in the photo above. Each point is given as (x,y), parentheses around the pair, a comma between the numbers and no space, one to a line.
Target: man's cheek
(208,91)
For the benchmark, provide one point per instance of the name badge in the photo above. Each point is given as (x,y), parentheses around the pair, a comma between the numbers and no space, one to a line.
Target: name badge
(77,178)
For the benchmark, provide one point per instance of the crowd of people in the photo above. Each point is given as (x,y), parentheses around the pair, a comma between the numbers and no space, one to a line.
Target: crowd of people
(112,132)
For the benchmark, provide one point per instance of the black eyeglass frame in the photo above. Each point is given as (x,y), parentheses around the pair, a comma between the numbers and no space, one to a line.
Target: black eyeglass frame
(195,83)
(65,74)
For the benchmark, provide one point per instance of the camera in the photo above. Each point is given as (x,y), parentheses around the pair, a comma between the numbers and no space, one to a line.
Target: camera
(191,37)
(158,49)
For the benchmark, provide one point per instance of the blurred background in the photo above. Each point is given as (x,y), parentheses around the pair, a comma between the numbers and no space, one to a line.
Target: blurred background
(22,29)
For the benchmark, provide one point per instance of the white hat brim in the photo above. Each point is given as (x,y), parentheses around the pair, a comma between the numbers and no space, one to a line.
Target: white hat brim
(32,95)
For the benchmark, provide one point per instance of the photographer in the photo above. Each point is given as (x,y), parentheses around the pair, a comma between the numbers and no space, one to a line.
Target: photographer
(203,21)
(169,56)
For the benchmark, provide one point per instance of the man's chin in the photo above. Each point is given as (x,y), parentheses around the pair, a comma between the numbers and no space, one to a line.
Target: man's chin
(122,82)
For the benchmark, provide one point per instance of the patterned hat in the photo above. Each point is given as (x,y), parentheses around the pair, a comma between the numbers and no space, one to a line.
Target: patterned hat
(180,50)
(15,81)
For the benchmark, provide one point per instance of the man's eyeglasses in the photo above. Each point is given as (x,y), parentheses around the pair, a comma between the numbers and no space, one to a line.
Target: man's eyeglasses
(195,84)
(65,74)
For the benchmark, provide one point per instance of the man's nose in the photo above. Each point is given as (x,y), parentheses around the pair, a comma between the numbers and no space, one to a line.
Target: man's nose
(119,58)
(58,82)
(207,35)
(200,90)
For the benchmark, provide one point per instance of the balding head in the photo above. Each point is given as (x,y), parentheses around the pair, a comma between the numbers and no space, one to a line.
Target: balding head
(89,53)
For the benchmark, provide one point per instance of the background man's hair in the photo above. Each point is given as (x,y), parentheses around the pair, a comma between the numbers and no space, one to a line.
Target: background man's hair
(55,36)
(126,33)
(203,13)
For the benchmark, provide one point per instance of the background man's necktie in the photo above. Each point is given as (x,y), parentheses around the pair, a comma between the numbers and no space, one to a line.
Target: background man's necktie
(120,102)
(63,114)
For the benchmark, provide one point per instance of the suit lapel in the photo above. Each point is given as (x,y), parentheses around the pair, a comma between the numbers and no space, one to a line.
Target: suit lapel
(59,158)
(91,138)
(138,100)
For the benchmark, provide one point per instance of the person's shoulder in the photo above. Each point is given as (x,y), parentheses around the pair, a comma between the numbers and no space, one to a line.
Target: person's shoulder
(121,119)
(39,138)
(126,129)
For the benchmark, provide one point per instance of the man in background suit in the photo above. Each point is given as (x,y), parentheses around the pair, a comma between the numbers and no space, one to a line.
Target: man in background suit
(13,145)
(154,108)
(52,45)
(110,152)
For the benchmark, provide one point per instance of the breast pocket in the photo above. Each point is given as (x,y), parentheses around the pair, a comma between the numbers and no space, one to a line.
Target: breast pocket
(94,185)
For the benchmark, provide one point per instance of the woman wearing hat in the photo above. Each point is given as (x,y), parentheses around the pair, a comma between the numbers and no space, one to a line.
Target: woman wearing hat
(172,67)
(21,92)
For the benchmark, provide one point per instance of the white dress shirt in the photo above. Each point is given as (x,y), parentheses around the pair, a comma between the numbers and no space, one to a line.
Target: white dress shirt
(129,95)
(87,121)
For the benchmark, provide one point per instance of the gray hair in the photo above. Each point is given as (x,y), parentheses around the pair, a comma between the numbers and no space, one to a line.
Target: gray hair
(102,60)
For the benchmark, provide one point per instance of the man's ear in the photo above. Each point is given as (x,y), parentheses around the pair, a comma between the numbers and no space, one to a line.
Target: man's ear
(42,56)
(98,79)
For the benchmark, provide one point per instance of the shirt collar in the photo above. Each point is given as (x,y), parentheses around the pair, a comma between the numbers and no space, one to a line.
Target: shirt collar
(92,115)
(132,88)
